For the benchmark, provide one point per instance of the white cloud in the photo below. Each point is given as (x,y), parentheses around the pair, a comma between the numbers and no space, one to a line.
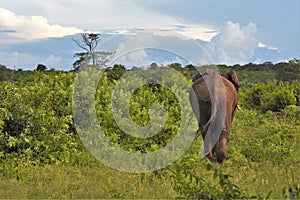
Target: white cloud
(99,15)
(262,45)
(18,60)
(129,55)
(53,61)
(174,60)
(193,31)
(142,47)
(234,44)
(132,50)
(32,27)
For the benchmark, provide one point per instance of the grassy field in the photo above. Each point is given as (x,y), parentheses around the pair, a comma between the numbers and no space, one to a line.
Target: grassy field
(263,161)
(41,155)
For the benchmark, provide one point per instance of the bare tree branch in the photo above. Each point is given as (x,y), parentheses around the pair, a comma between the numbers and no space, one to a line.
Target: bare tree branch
(89,42)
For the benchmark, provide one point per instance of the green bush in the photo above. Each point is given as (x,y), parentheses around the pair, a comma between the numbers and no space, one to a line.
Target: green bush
(35,119)
(280,97)
(214,184)
(272,96)
(271,136)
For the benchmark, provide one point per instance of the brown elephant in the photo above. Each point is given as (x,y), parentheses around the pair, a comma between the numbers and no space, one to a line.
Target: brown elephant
(214,99)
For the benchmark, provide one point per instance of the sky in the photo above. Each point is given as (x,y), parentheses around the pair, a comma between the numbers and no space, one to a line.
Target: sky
(229,32)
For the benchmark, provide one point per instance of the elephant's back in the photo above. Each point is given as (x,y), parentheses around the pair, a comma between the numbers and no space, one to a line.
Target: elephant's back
(230,89)
(214,87)
(201,89)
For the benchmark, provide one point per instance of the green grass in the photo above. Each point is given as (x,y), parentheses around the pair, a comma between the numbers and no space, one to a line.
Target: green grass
(98,181)
(263,157)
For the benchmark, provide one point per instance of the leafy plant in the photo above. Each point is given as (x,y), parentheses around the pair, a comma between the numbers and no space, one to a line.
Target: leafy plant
(214,185)
(269,97)
(292,191)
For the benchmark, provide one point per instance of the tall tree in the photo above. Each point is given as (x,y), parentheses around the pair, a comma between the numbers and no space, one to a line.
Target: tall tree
(89,42)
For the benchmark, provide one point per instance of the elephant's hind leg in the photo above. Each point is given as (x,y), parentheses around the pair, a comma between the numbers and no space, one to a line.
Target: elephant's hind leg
(221,148)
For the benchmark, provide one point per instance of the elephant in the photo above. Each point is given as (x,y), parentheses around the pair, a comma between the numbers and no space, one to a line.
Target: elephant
(214,100)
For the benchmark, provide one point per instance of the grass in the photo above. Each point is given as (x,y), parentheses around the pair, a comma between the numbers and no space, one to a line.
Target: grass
(99,181)
(263,157)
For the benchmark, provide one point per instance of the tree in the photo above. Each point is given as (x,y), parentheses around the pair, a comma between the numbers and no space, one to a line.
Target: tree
(89,42)
(41,68)
(116,72)
(153,65)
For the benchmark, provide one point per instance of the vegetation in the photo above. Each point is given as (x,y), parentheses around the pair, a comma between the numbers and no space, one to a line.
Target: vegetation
(89,42)
(41,155)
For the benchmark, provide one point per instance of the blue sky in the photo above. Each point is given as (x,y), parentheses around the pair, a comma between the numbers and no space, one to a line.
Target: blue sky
(231,31)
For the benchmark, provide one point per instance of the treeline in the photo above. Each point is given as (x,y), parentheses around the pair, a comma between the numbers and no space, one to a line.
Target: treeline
(249,74)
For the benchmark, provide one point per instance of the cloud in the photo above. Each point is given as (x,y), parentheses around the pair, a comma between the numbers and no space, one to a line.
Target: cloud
(175,59)
(234,44)
(31,27)
(98,14)
(53,61)
(128,55)
(140,47)
(262,45)
(104,15)
(131,51)
(29,60)
(18,60)
(193,31)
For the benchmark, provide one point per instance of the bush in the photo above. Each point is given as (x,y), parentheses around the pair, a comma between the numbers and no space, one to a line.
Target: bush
(35,119)
(269,97)
(216,184)
(280,97)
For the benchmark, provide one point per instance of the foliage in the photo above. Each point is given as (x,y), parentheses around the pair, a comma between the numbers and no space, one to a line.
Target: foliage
(15,75)
(272,96)
(36,119)
(116,72)
(140,104)
(39,143)
(89,42)
(191,185)
(285,71)
(292,191)
(41,68)
(271,135)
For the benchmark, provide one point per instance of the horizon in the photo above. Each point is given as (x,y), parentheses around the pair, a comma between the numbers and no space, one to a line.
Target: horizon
(162,65)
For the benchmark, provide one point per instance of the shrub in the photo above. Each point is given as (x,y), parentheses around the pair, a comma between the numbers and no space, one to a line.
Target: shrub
(280,97)
(272,97)
(214,185)
(35,119)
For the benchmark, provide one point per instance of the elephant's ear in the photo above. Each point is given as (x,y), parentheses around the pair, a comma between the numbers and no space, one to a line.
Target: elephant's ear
(232,77)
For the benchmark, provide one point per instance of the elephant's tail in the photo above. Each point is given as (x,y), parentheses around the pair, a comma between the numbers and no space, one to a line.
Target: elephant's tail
(194,103)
